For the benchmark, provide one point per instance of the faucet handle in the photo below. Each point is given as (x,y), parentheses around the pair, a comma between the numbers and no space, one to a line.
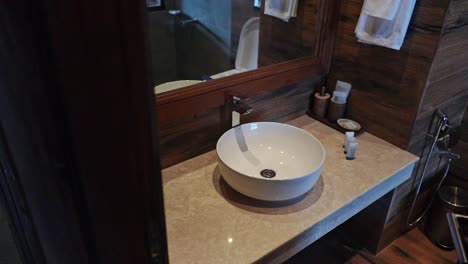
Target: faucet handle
(235,107)
(238,98)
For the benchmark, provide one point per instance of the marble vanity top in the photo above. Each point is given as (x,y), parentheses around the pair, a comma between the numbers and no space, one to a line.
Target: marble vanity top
(208,222)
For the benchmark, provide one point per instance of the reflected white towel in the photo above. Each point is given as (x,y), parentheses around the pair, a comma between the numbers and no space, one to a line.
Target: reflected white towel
(385,9)
(294,8)
(384,22)
(282,9)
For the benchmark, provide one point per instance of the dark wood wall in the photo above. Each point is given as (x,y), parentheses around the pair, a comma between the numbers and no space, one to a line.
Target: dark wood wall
(187,137)
(387,84)
(447,83)
(395,92)
(460,167)
(446,89)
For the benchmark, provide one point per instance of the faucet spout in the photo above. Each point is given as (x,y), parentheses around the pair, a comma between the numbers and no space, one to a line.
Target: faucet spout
(239,108)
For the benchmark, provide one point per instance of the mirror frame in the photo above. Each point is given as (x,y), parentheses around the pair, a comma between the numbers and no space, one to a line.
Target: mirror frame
(199,97)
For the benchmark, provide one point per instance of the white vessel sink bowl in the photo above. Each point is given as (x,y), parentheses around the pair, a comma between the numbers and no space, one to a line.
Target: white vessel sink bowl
(248,153)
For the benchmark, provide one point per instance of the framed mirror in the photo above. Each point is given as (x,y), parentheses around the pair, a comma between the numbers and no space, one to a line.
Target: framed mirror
(201,48)
(292,57)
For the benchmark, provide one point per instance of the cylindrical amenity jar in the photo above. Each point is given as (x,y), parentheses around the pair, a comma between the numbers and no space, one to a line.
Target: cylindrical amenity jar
(320,104)
(335,110)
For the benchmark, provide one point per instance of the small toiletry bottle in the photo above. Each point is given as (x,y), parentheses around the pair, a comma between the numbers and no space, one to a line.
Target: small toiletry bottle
(320,103)
(351,151)
(349,141)
(348,135)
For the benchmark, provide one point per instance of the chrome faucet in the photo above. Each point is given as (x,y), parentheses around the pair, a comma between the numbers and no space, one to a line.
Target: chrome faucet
(239,107)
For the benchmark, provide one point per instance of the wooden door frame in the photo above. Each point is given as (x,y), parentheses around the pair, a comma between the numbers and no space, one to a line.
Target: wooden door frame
(101,53)
(40,190)
(96,96)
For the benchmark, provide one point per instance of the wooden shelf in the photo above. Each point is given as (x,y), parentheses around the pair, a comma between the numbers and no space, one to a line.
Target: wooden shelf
(333,125)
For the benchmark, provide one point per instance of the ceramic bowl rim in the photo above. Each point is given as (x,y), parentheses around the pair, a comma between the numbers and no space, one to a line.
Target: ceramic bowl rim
(274,124)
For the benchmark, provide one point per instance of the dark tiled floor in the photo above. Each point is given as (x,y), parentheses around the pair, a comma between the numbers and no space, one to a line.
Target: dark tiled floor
(411,248)
(8,252)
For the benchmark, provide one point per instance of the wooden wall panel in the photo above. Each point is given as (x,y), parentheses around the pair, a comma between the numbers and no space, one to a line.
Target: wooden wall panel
(189,136)
(464,130)
(389,88)
(453,106)
(446,89)
(460,168)
(387,84)
(447,83)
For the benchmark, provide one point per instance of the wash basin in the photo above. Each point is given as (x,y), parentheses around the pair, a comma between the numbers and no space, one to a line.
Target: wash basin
(270,161)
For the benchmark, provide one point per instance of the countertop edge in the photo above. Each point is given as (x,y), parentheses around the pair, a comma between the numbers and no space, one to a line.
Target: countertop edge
(341,215)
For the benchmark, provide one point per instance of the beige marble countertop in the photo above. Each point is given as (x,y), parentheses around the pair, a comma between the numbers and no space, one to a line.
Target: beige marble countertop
(208,222)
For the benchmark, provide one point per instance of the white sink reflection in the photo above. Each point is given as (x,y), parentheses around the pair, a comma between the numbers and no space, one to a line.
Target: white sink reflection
(169,86)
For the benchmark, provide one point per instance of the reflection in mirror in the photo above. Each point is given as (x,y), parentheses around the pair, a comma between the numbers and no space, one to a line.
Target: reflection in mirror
(199,40)
(155,4)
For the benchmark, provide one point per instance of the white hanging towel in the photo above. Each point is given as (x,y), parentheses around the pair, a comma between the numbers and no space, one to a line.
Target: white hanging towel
(384,22)
(282,9)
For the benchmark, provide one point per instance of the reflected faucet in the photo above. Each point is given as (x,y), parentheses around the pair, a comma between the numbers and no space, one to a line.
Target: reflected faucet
(174,12)
(239,107)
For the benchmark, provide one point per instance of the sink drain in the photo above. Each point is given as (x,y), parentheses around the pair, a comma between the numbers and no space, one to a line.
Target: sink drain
(268,173)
